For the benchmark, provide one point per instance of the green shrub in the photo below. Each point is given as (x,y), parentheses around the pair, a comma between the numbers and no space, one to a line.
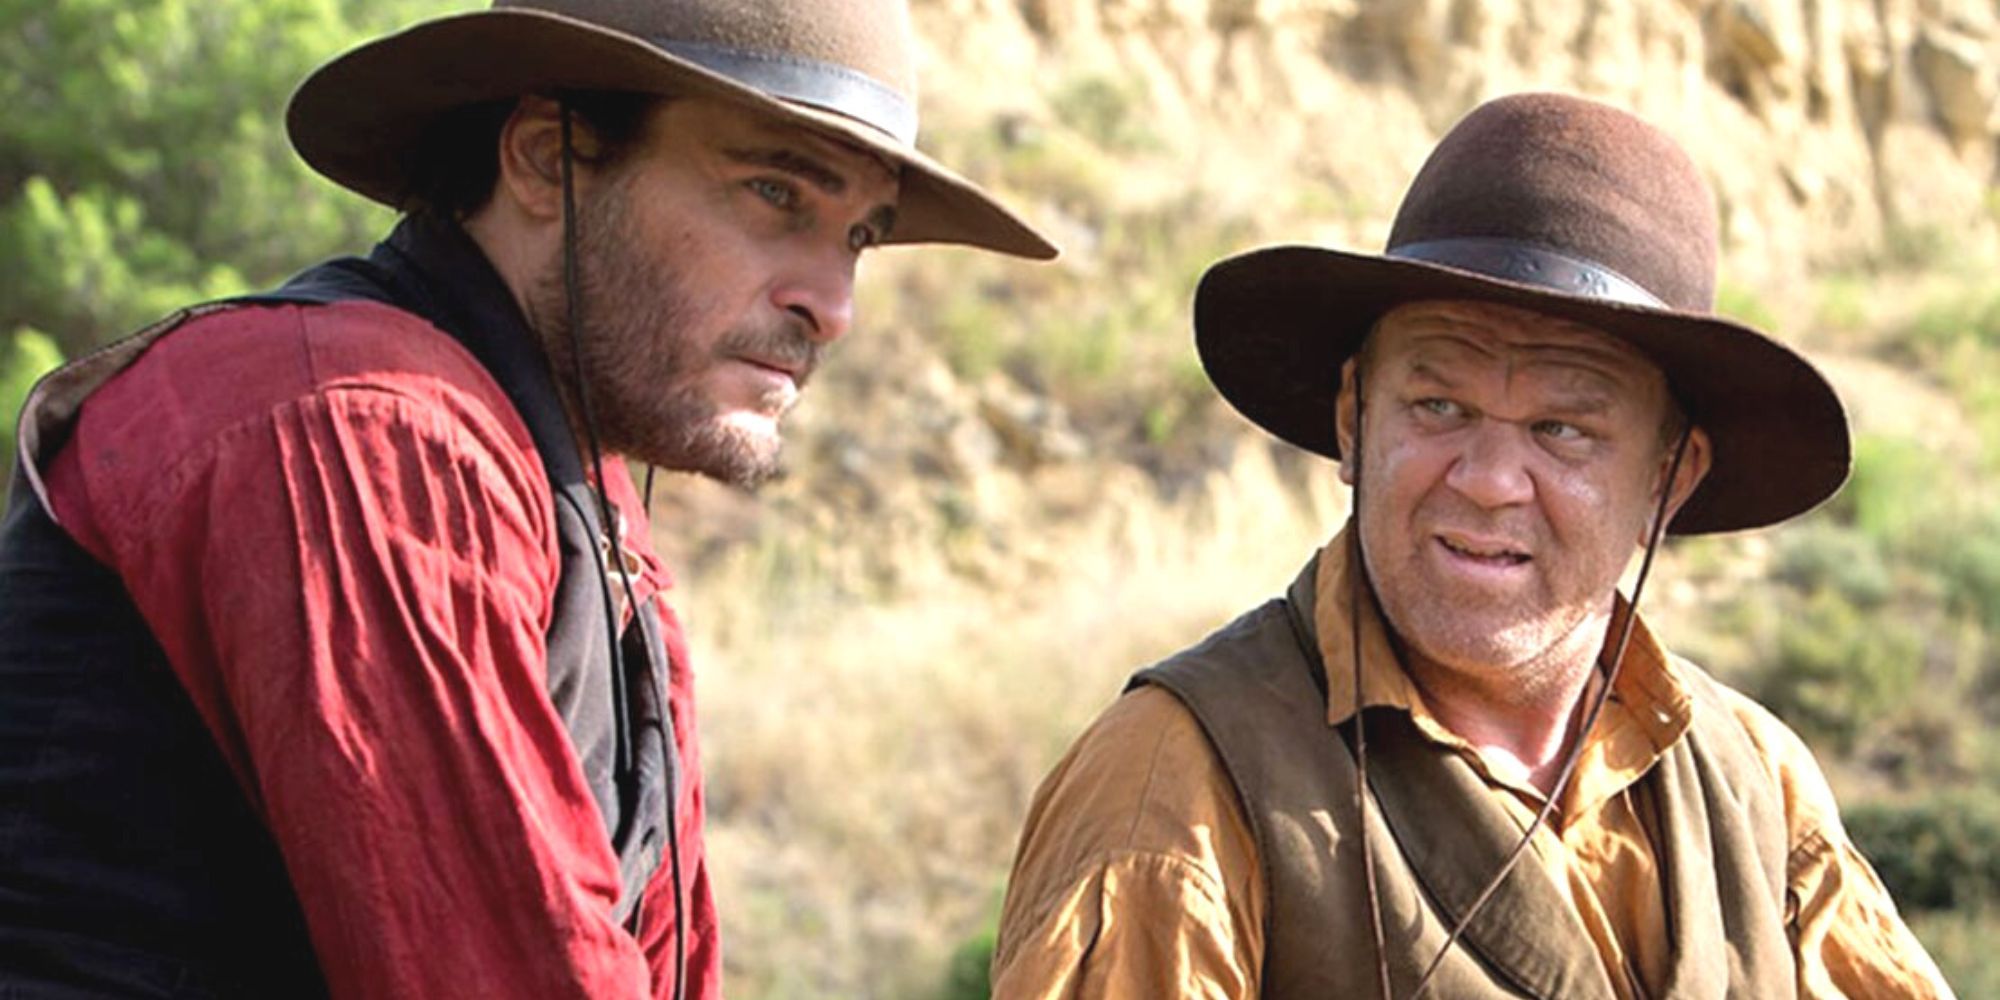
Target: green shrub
(1919,246)
(25,357)
(1972,570)
(1823,554)
(967,976)
(1837,670)
(1843,302)
(143,158)
(1937,853)
(1962,316)
(1899,495)
(1107,111)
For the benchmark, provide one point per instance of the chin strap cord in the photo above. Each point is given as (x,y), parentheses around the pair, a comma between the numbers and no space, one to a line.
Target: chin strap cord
(1355,581)
(1655,532)
(613,526)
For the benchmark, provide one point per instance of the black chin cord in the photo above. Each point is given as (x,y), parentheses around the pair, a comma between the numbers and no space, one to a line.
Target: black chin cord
(1655,532)
(613,528)
(1357,578)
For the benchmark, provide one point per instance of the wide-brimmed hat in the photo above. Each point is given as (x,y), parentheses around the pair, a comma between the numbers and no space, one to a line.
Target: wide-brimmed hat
(843,67)
(1568,208)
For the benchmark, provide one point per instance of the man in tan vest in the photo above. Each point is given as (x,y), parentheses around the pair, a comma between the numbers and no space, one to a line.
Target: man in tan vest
(1535,798)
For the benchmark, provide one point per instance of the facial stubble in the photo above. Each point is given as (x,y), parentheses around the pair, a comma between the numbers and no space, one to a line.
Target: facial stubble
(642,367)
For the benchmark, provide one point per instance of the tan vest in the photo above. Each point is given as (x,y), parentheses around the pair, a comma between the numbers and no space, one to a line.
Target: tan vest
(1438,836)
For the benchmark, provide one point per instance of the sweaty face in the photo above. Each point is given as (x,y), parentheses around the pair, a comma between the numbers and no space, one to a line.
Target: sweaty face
(1509,469)
(717,264)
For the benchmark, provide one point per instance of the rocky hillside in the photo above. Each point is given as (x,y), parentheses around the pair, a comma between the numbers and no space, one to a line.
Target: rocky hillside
(1826,125)
(985,404)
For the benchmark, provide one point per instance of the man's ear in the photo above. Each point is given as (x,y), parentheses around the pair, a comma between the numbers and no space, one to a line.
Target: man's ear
(1345,416)
(1694,468)
(531,159)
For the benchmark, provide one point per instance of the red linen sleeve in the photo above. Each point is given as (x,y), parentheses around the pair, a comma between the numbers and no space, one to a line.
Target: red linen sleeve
(354,584)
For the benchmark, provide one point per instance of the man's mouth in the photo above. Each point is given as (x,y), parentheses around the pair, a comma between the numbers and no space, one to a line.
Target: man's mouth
(1493,553)
(783,349)
(772,365)
(798,373)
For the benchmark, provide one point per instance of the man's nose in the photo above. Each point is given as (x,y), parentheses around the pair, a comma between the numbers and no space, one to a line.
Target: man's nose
(1492,467)
(820,291)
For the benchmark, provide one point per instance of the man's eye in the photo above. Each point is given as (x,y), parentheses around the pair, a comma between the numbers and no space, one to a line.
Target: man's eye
(1558,430)
(860,238)
(1439,408)
(778,193)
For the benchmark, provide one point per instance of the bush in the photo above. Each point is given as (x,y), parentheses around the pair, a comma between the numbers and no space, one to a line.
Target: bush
(1822,554)
(1110,112)
(143,160)
(1962,316)
(27,356)
(1839,670)
(1895,496)
(968,977)
(1937,853)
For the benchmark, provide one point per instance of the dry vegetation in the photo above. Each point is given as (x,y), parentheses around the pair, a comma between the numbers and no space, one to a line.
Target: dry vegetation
(870,759)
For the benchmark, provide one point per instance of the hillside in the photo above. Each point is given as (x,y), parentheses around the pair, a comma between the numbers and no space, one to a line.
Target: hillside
(1013,486)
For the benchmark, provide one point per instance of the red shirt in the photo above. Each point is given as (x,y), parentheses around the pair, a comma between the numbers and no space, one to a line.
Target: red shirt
(339,530)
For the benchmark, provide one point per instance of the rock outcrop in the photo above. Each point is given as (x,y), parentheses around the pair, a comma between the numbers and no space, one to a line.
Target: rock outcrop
(1830,128)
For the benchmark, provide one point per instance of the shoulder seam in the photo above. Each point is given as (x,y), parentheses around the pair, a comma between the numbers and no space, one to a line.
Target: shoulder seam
(172,478)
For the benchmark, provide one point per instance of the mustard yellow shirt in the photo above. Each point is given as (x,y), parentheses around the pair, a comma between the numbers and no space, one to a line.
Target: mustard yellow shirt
(1138,876)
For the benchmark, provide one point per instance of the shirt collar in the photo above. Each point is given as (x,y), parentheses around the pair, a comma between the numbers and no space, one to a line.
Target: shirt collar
(1649,707)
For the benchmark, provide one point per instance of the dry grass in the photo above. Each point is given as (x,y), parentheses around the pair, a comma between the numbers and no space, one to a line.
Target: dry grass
(869,761)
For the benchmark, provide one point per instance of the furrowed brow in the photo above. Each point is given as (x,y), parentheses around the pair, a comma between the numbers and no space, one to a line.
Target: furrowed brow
(1424,371)
(805,167)
(1584,388)
(1583,405)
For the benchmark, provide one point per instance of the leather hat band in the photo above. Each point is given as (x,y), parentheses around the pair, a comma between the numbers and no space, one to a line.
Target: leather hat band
(823,85)
(1513,260)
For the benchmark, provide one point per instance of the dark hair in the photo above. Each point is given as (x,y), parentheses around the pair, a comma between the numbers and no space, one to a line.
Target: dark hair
(453,168)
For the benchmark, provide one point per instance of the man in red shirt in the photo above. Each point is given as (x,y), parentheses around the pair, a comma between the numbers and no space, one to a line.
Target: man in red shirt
(333,653)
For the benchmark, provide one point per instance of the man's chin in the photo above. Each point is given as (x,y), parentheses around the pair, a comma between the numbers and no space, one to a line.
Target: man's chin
(739,453)
(1469,641)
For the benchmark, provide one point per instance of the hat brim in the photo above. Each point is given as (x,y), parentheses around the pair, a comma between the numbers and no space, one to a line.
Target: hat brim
(356,118)
(1274,326)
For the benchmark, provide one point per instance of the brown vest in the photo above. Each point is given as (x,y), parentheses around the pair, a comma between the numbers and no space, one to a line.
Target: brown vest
(1438,836)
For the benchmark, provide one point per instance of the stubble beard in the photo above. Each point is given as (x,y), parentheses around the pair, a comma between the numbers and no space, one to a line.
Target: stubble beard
(1518,647)
(642,374)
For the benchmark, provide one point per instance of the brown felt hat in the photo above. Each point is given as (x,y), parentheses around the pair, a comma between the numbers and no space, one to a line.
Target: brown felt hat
(1568,208)
(842,67)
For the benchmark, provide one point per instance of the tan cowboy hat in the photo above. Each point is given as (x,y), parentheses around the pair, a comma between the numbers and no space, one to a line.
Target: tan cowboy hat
(1568,208)
(843,67)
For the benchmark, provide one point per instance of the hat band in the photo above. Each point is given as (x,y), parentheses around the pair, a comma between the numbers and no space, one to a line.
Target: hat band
(1513,260)
(824,85)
